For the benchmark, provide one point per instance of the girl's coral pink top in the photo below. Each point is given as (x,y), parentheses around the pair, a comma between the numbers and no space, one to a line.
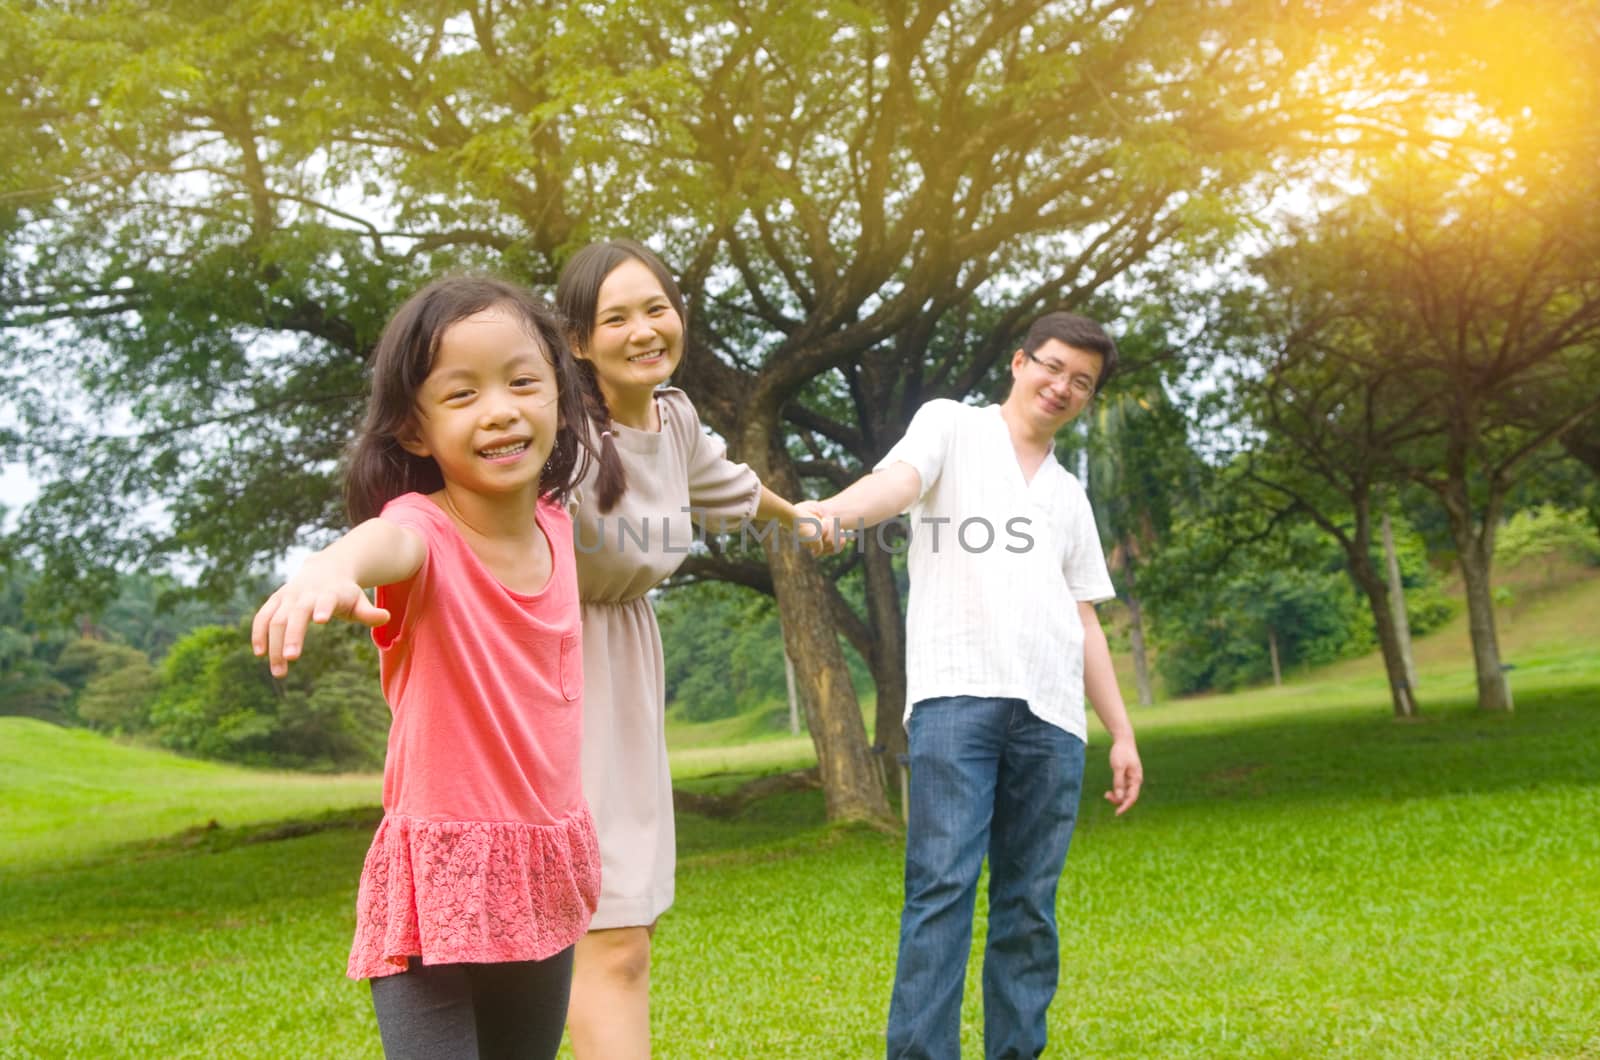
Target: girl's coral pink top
(486,851)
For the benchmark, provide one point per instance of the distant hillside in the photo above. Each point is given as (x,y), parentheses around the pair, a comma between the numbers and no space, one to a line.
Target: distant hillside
(70,793)
(1545,607)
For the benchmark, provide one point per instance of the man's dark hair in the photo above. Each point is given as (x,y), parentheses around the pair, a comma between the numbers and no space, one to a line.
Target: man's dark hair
(1079,332)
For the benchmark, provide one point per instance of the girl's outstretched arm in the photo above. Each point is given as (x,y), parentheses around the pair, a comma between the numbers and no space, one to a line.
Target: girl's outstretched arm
(330,584)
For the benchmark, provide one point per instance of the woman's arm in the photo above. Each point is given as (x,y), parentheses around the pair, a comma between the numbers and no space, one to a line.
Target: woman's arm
(331,584)
(771,506)
(797,519)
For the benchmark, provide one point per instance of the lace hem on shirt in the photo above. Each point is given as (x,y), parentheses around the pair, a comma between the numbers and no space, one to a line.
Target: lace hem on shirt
(473,892)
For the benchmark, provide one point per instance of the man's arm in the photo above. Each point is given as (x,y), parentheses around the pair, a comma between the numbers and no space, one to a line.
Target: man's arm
(1100,685)
(868,502)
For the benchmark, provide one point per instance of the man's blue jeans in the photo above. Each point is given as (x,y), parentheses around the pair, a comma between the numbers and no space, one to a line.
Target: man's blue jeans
(987,776)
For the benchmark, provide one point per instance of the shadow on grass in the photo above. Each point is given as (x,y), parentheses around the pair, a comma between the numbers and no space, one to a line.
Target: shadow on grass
(210,838)
(78,904)
(755,827)
(214,838)
(1553,739)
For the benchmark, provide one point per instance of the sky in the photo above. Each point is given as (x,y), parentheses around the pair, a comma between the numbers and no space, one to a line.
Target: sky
(16,489)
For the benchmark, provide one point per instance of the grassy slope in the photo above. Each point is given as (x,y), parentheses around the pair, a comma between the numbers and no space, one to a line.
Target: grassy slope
(1550,626)
(1304,877)
(129,927)
(68,793)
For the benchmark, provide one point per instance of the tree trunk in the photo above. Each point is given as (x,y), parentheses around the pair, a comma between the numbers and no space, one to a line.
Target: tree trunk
(888,657)
(1141,655)
(852,784)
(794,698)
(1473,551)
(1397,603)
(1141,658)
(1272,651)
(1372,585)
(1475,554)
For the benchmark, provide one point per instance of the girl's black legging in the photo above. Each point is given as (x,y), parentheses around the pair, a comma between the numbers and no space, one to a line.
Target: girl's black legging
(511,1011)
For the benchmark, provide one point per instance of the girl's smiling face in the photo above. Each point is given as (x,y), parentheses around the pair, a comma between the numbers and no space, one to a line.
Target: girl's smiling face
(637,340)
(487,413)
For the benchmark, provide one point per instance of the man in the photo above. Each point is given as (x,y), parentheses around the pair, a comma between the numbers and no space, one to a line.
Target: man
(1002,644)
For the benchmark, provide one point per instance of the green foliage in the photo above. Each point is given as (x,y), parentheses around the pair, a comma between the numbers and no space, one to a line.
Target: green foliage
(78,661)
(724,650)
(1568,480)
(216,206)
(150,612)
(1216,600)
(28,685)
(218,700)
(49,658)
(1544,531)
(1141,468)
(213,698)
(190,704)
(1428,605)
(118,694)
(1315,616)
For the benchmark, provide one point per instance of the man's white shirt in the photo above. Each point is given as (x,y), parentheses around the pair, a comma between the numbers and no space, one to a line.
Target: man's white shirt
(998,565)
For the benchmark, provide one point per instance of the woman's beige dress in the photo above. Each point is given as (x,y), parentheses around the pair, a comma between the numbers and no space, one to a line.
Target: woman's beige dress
(622,555)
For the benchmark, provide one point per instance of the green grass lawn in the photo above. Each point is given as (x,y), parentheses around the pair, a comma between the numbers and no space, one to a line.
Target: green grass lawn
(1304,877)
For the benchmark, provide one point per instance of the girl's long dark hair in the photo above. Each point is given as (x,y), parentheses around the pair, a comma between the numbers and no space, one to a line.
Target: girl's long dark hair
(577,296)
(377,467)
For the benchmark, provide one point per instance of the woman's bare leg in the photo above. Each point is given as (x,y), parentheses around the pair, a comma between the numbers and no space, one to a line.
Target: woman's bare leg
(609,1015)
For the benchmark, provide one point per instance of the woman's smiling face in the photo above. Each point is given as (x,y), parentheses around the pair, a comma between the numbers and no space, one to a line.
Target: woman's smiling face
(637,340)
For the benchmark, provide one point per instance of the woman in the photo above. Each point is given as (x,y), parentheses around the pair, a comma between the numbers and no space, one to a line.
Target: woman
(632,528)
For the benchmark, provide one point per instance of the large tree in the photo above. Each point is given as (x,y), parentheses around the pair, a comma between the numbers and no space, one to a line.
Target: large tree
(1444,330)
(213,206)
(1320,436)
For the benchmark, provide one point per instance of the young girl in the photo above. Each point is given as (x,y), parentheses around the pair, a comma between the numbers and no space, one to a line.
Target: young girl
(633,528)
(485,870)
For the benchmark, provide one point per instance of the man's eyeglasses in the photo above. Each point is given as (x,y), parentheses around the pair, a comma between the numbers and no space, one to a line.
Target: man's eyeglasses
(1081,385)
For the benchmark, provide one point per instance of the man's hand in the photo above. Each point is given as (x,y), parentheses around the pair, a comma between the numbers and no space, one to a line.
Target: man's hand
(1127,776)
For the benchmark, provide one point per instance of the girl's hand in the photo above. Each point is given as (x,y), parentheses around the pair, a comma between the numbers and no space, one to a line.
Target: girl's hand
(279,629)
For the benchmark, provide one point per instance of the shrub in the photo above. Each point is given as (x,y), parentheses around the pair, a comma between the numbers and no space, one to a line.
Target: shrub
(218,700)
(119,694)
(1535,533)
